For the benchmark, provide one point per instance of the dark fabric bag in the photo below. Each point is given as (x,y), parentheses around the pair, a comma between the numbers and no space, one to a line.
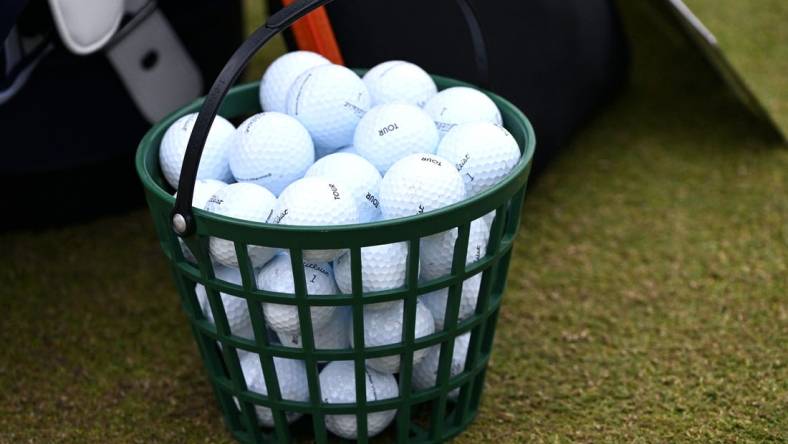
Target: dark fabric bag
(70,133)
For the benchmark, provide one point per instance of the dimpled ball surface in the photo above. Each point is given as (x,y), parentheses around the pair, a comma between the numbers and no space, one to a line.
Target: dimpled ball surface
(203,190)
(281,74)
(338,386)
(483,152)
(360,176)
(329,100)
(277,276)
(397,80)
(425,374)
(437,251)
(235,308)
(291,376)
(387,133)
(436,301)
(383,267)
(333,336)
(245,201)
(384,327)
(214,163)
(460,104)
(419,183)
(271,150)
(316,201)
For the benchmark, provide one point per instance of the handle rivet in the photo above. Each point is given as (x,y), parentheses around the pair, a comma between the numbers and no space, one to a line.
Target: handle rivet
(179,223)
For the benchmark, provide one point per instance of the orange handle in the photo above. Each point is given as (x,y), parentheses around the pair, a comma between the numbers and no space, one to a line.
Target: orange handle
(314,33)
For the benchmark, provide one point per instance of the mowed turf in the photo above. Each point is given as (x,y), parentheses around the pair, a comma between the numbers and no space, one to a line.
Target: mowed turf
(647,297)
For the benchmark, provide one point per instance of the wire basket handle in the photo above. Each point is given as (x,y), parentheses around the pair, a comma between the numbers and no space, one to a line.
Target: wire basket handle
(182,216)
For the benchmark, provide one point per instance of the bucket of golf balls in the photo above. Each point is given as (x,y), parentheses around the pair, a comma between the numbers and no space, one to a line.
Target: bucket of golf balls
(353,231)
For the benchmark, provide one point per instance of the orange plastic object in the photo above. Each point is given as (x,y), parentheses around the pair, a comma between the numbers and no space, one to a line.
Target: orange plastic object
(314,33)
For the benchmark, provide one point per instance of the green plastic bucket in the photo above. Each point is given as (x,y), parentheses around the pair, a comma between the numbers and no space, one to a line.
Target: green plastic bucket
(422,416)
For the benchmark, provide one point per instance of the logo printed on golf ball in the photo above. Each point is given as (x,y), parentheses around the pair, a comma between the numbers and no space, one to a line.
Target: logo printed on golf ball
(357,110)
(334,191)
(317,267)
(463,161)
(431,160)
(373,200)
(388,129)
(252,121)
(278,218)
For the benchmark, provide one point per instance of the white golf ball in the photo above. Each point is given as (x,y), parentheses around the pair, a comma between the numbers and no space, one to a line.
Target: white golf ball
(461,104)
(437,251)
(425,374)
(397,80)
(387,133)
(469,296)
(338,386)
(360,176)
(419,183)
(332,336)
(281,74)
(203,190)
(271,150)
(235,308)
(277,276)
(317,201)
(384,327)
(245,201)
(291,376)
(214,163)
(383,267)
(483,152)
(329,100)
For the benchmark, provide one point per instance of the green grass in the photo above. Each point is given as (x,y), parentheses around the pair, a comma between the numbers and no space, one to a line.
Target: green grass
(647,299)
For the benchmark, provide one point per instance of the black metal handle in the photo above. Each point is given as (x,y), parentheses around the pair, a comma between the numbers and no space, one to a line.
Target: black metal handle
(182,216)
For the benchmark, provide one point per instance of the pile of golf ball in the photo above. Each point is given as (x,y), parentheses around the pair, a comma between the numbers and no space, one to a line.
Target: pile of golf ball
(332,148)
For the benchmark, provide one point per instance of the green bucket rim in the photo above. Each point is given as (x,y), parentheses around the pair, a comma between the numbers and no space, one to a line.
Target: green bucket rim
(346,236)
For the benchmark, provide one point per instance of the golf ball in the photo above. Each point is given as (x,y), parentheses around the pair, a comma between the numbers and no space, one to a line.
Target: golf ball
(329,100)
(277,276)
(384,327)
(397,80)
(419,183)
(436,301)
(383,267)
(425,373)
(317,201)
(483,152)
(358,175)
(271,150)
(235,308)
(437,251)
(291,376)
(387,133)
(461,104)
(214,163)
(281,74)
(338,386)
(335,335)
(245,201)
